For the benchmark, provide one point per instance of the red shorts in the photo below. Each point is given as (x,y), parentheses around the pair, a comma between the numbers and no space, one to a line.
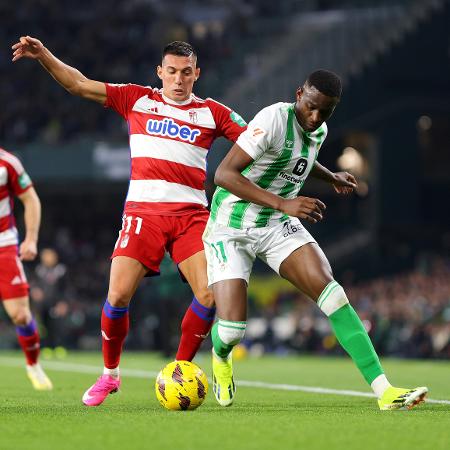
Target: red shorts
(147,237)
(13,282)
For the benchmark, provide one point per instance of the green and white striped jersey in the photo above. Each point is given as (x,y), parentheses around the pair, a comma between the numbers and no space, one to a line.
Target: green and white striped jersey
(283,156)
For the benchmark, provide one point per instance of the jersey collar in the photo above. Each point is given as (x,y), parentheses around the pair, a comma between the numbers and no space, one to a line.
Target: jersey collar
(173,102)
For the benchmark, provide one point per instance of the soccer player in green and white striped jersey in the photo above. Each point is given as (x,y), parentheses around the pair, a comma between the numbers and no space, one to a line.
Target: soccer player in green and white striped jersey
(255,212)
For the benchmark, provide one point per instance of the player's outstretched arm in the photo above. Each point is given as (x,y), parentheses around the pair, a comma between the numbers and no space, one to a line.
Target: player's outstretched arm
(228,175)
(68,77)
(32,215)
(343,182)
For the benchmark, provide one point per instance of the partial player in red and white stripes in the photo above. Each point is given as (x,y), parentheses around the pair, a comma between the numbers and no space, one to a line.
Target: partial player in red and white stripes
(171,131)
(14,182)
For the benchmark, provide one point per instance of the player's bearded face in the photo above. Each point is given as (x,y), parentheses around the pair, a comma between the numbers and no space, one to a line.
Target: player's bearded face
(312,108)
(178,75)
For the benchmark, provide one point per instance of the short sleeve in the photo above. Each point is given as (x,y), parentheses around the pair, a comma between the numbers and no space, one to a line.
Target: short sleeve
(229,123)
(122,97)
(260,134)
(18,179)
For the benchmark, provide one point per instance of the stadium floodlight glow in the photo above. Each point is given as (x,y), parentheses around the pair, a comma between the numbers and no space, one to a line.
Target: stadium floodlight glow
(424,123)
(352,160)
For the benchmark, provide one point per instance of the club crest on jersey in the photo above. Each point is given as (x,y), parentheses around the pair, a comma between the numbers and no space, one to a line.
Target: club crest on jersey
(169,128)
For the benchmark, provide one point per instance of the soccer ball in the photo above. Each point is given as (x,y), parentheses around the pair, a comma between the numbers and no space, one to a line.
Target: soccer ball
(181,385)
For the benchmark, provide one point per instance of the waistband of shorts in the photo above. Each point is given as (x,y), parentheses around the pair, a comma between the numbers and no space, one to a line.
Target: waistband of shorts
(9,249)
(148,212)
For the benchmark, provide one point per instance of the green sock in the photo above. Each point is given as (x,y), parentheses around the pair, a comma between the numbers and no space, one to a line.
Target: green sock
(353,337)
(231,331)
(221,349)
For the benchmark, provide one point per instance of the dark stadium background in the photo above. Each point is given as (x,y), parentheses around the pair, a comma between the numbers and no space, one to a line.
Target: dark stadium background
(389,243)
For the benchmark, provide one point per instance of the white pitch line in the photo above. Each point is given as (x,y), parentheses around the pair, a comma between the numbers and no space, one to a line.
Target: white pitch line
(136,373)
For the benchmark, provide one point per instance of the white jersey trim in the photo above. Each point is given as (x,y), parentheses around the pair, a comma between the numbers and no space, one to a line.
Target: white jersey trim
(143,146)
(174,102)
(11,159)
(3,176)
(158,191)
(9,237)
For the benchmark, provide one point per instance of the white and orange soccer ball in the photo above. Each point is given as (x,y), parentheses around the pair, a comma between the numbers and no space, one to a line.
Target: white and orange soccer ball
(181,385)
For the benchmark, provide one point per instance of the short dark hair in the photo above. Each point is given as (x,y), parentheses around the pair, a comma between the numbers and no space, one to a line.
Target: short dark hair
(326,82)
(179,48)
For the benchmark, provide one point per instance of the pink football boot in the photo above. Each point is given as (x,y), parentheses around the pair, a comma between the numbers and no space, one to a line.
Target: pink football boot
(97,393)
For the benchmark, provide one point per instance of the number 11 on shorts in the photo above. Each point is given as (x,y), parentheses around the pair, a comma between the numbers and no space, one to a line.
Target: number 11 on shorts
(126,227)
(128,220)
(219,250)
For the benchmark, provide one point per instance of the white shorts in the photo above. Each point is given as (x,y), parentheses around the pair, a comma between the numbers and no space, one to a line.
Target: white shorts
(230,252)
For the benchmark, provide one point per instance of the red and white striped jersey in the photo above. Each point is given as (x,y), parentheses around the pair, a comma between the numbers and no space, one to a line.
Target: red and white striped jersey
(169,142)
(13,181)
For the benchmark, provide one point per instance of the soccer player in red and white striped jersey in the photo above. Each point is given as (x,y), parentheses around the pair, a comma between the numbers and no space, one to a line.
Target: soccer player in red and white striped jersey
(171,131)
(14,181)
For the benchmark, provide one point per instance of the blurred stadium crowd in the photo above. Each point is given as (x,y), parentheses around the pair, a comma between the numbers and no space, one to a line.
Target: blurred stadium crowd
(103,53)
(407,314)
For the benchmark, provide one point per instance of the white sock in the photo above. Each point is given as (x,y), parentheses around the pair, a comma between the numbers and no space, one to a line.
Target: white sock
(379,385)
(115,373)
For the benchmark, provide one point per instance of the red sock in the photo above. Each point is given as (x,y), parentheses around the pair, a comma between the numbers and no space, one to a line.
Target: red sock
(115,323)
(196,324)
(28,337)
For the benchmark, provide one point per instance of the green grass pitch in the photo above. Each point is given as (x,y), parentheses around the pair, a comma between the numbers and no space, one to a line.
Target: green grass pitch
(262,417)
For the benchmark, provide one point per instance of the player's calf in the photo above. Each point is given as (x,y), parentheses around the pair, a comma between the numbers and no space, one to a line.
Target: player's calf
(353,337)
(29,341)
(195,326)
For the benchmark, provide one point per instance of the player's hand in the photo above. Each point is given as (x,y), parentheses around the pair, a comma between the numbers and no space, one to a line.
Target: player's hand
(310,209)
(27,47)
(28,250)
(344,183)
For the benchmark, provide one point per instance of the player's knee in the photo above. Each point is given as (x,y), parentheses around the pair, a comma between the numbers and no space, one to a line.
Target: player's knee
(332,298)
(21,317)
(231,333)
(205,297)
(119,298)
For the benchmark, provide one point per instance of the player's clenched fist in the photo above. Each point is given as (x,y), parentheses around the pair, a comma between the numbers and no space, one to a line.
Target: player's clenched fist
(344,183)
(28,250)
(27,47)
(310,209)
